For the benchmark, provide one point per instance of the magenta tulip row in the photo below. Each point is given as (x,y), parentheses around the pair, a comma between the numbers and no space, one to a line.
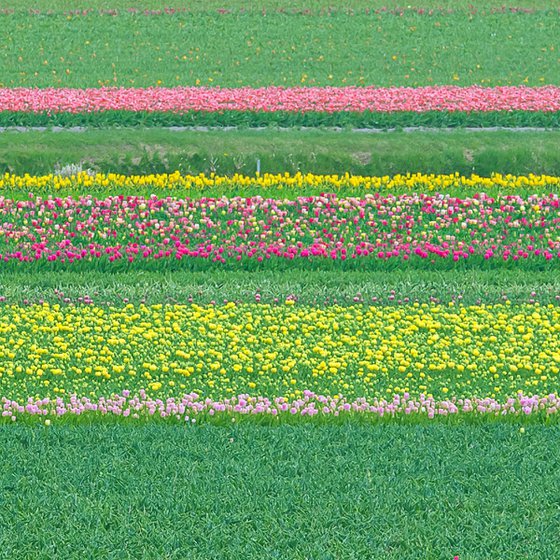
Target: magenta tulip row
(190,406)
(270,99)
(316,228)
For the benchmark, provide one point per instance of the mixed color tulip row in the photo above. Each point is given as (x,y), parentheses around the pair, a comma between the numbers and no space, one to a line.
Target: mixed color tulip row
(219,351)
(270,99)
(191,407)
(377,228)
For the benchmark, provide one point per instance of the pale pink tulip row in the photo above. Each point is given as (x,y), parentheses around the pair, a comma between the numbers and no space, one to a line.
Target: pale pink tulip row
(190,406)
(270,99)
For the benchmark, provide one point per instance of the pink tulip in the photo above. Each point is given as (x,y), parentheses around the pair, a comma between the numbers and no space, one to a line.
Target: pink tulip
(270,99)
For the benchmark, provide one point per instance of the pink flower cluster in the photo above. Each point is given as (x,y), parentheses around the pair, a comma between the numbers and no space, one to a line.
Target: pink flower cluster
(190,406)
(328,227)
(270,99)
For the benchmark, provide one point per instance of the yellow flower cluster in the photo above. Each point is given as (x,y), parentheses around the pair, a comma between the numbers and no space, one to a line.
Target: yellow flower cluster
(113,182)
(225,350)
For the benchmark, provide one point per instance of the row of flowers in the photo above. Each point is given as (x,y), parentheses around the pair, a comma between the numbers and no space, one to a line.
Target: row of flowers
(191,407)
(114,183)
(270,99)
(375,227)
(223,350)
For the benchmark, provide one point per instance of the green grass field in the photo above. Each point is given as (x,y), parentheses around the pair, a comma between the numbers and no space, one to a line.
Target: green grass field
(140,151)
(321,288)
(208,5)
(252,49)
(347,491)
(91,486)
(386,121)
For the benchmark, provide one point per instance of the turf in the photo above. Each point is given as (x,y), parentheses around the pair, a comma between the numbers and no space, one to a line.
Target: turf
(289,492)
(257,49)
(141,151)
(320,288)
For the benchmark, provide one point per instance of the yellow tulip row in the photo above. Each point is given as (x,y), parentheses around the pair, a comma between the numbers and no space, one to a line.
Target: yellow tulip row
(282,350)
(417,181)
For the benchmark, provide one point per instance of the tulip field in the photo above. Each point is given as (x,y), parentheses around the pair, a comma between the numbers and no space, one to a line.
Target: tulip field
(378,231)
(279,279)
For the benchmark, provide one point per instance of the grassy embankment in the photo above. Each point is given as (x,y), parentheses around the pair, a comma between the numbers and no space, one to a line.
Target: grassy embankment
(130,151)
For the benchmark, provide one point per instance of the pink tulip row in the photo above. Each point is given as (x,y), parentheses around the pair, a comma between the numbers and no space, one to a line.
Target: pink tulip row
(328,227)
(270,99)
(191,406)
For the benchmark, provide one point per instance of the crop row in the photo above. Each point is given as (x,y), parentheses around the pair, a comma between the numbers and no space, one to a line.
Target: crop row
(318,289)
(255,119)
(268,183)
(495,351)
(270,99)
(374,230)
(191,408)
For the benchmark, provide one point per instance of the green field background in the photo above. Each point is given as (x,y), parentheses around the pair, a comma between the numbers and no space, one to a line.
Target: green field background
(253,48)
(348,491)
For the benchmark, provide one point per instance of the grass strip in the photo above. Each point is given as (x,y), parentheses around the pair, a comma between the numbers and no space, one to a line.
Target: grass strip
(373,265)
(309,6)
(306,287)
(146,151)
(271,48)
(247,119)
(299,492)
